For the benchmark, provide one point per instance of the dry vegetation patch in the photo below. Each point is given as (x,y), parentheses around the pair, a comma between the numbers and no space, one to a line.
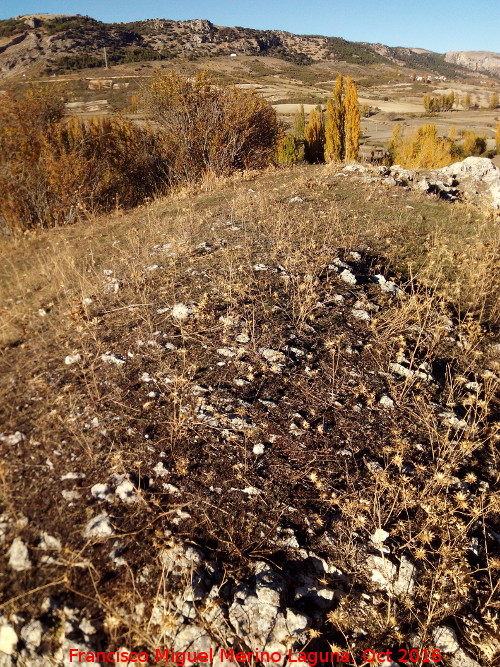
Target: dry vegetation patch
(274,369)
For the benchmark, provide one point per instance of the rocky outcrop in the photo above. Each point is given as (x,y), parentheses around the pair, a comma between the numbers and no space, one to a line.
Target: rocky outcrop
(76,36)
(475,179)
(477,61)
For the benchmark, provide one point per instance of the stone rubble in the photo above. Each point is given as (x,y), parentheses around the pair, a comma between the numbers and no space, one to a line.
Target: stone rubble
(474,179)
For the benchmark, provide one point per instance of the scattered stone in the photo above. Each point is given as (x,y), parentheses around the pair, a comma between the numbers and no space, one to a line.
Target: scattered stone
(72,359)
(272,356)
(450,419)
(181,312)
(110,358)
(19,559)
(31,634)
(373,466)
(296,200)
(348,277)
(226,352)
(87,627)
(49,543)
(422,185)
(337,263)
(8,640)
(405,582)
(13,439)
(72,475)
(251,491)
(99,526)
(360,314)
(101,492)
(386,402)
(179,559)
(387,286)
(113,285)
(126,492)
(70,495)
(400,370)
(384,572)
(180,516)
(473,386)
(379,536)
(286,538)
(445,639)
(355,168)
(170,488)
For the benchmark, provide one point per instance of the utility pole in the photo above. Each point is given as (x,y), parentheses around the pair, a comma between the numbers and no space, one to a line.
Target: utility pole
(105,59)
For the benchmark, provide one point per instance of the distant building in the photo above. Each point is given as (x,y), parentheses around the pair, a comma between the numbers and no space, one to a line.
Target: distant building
(233,55)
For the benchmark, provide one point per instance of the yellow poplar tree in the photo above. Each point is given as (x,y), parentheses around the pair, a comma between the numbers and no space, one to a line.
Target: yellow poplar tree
(334,132)
(467,101)
(315,136)
(395,143)
(299,126)
(352,120)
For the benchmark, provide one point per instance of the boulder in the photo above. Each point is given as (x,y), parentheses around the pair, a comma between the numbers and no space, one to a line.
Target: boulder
(477,167)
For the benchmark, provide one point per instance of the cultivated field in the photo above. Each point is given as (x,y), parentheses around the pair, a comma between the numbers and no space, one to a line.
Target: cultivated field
(387,90)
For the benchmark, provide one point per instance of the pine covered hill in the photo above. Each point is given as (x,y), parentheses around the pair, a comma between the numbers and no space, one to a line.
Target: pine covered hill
(58,43)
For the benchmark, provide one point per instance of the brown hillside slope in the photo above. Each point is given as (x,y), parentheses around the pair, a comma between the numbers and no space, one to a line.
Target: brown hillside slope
(222,426)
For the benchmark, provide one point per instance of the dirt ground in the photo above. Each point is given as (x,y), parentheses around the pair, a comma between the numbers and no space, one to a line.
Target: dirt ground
(210,356)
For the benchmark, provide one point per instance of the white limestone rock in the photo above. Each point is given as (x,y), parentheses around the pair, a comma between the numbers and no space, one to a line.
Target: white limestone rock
(386,402)
(31,634)
(99,527)
(445,639)
(348,277)
(19,559)
(8,639)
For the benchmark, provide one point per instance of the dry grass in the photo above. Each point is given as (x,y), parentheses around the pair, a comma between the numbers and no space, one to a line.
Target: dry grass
(434,486)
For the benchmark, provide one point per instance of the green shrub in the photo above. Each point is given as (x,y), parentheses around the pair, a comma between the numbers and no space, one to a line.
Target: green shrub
(290,150)
(10,27)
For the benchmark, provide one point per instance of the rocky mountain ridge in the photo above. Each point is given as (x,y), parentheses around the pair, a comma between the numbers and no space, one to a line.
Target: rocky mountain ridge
(477,61)
(55,43)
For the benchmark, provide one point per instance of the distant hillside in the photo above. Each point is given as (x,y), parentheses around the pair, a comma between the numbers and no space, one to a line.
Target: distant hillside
(419,59)
(477,61)
(57,43)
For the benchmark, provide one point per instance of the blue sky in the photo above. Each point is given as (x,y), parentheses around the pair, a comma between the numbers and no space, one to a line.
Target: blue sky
(438,25)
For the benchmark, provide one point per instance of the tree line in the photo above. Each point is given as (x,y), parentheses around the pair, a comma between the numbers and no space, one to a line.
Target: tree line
(434,104)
